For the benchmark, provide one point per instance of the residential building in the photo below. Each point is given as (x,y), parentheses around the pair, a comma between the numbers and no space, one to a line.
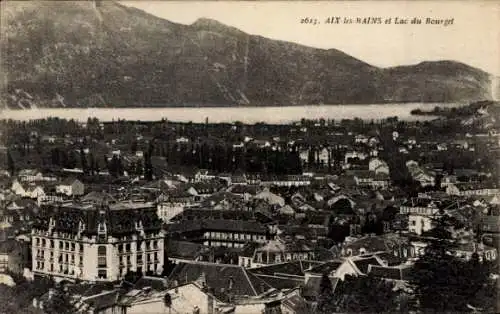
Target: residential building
(421,214)
(278,251)
(71,187)
(219,232)
(173,203)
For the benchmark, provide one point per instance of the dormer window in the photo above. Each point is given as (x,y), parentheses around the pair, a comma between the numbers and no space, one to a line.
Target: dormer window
(138,225)
(259,257)
(101,229)
(52,224)
(81,227)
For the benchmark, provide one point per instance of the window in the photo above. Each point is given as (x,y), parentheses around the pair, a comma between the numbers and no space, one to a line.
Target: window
(51,244)
(101,256)
(127,247)
(43,242)
(101,273)
(37,240)
(73,247)
(155,244)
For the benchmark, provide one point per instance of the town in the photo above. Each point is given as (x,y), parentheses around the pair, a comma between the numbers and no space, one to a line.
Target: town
(316,216)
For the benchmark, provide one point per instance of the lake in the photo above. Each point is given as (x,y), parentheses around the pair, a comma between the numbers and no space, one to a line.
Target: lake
(276,115)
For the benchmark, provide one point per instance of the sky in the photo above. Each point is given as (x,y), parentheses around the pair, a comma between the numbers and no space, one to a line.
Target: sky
(472,38)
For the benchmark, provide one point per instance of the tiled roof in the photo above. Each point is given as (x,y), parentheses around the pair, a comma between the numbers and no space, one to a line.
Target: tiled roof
(311,288)
(394,273)
(98,198)
(104,300)
(282,282)
(342,207)
(88,289)
(218,225)
(227,214)
(69,181)
(219,277)
(156,283)
(240,189)
(293,268)
(9,246)
(249,249)
(363,263)
(120,221)
(370,244)
(183,249)
(326,268)
(389,258)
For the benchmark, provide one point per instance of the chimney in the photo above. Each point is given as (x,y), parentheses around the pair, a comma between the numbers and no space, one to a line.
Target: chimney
(262,288)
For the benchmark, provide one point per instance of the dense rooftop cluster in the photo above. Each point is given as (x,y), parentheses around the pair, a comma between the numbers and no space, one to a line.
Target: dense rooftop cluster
(316,216)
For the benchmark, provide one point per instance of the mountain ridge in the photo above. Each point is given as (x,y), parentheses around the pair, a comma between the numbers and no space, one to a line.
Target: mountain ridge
(97,54)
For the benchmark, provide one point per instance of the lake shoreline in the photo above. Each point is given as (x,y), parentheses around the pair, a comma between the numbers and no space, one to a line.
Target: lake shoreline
(276,114)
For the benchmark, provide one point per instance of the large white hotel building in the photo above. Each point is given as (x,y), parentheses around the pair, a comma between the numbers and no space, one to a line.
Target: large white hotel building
(97,242)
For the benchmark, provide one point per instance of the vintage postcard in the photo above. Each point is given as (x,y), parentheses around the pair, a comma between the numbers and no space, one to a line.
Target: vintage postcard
(249,157)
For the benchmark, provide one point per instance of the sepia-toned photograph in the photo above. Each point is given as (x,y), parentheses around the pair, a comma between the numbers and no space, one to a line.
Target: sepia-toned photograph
(249,157)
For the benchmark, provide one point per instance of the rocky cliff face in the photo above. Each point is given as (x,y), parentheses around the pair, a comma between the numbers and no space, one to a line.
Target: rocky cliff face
(80,54)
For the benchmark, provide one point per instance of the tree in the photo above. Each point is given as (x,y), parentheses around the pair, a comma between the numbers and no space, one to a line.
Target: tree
(58,303)
(115,166)
(133,146)
(83,161)
(148,167)
(444,283)
(10,164)
(325,297)
(365,294)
